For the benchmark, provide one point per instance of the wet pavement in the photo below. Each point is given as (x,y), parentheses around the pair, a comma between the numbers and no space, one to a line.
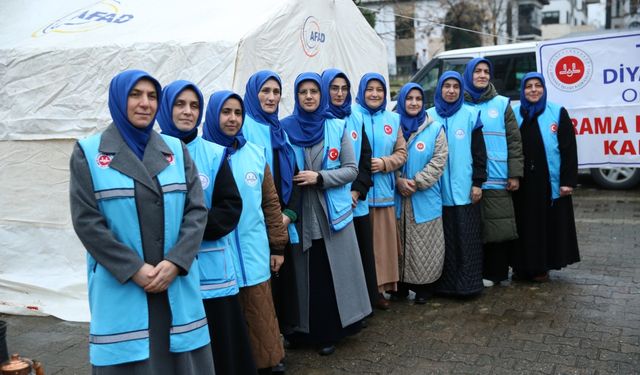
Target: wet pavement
(586,320)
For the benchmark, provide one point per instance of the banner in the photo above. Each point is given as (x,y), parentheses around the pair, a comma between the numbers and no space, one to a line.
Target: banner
(597,79)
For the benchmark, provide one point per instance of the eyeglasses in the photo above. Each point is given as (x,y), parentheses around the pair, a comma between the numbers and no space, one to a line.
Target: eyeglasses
(336,89)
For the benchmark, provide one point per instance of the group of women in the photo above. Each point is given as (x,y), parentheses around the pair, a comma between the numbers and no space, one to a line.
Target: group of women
(209,254)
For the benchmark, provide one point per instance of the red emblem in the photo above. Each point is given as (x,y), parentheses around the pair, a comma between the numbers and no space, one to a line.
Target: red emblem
(333,154)
(570,69)
(354,135)
(554,128)
(388,129)
(170,158)
(103,160)
(420,146)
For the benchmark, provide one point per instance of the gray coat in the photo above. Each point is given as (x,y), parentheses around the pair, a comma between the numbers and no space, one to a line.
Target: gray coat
(342,247)
(123,262)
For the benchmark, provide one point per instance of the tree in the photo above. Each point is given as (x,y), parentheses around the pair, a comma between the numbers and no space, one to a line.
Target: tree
(465,15)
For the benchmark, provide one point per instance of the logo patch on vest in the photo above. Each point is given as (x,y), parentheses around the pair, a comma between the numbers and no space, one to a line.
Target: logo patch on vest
(554,128)
(459,133)
(493,113)
(103,160)
(388,129)
(420,146)
(251,179)
(170,159)
(204,180)
(354,135)
(333,154)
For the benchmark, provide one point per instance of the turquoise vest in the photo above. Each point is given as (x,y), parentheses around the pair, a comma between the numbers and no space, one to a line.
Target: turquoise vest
(354,123)
(338,199)
(119,331)
(495,140)
(427,204)
(548,124)
(382,132)
(249,239)
(260,134)
(457,178)
(215,258)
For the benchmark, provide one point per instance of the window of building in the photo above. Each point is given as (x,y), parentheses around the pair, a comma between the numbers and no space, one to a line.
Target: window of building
(405,28)
(550,18)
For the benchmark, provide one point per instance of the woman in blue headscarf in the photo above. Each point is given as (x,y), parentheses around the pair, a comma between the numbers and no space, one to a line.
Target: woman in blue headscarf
(418,198)
(260,238)
(262,127)
(138,208)
(388,154)
(331,286)
(336,93)
(544,209)
(504,169)
(179,116)
(461,182)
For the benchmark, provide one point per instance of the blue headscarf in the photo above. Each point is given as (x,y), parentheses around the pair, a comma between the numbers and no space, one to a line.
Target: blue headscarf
(211,130)
(528,109)
(362,87)
(165,115)
(332,110)
(119,89)
(410,123)
(475,92)
(305,129)
(444,108)
(286,157)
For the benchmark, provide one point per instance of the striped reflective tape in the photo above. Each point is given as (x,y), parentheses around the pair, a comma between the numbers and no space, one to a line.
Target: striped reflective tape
(114,193)
(217,286)
(189,327)
(209,249)
(120,337)
(174,187)
(342,217)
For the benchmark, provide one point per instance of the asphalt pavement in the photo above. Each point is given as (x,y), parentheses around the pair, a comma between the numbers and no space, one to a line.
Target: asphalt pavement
(585,320)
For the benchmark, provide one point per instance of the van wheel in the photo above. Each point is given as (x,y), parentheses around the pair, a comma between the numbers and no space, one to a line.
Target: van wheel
(616,178)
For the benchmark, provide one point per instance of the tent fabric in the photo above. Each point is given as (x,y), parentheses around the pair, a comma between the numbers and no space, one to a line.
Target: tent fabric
(56,62)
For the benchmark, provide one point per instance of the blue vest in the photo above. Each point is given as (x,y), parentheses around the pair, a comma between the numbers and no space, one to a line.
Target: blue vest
(382,132)
(119,331)
(354,123)
(249,240)
(495,140)
(427,204)
(548,124)
(260,134)
(457,178)
(337,199)
(215,258)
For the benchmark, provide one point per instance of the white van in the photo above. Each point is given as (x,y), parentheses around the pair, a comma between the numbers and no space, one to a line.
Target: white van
(510,63)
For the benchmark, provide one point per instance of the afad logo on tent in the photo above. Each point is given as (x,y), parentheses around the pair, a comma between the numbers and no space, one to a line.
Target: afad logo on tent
(95,16)
(311,37)
(570,69)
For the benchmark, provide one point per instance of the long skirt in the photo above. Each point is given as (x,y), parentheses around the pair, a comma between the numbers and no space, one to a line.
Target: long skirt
(362,225)
(325,326)
(462,272)
(386,247)
(262,324)
(283,288)
(495,266)
(229,337)
(161,361)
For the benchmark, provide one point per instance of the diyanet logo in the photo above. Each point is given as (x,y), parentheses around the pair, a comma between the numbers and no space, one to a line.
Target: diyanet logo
(311,36)
(95,16)
(570,69)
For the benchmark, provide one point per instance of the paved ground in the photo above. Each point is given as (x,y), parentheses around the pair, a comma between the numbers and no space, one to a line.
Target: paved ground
(586,320)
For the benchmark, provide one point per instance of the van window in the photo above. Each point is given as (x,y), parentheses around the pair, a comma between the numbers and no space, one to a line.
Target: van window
(428,76)
(508,71)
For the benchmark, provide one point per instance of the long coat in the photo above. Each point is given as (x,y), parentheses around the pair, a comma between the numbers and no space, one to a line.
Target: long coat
(342,247)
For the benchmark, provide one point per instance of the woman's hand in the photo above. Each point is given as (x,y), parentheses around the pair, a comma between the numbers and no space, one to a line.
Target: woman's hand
(476,194)
(276,262)
(306,178)
(405,187)
(513,184)
(377,165)
(286,220)
(143,276)
(566,190)
(355,195)
(163,275)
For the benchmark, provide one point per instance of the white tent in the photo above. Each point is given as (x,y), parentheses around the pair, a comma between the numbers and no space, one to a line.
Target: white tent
(56,61)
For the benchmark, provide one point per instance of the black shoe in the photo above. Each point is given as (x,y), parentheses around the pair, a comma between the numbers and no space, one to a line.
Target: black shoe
(327,350)
(280,368)
(420,300)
